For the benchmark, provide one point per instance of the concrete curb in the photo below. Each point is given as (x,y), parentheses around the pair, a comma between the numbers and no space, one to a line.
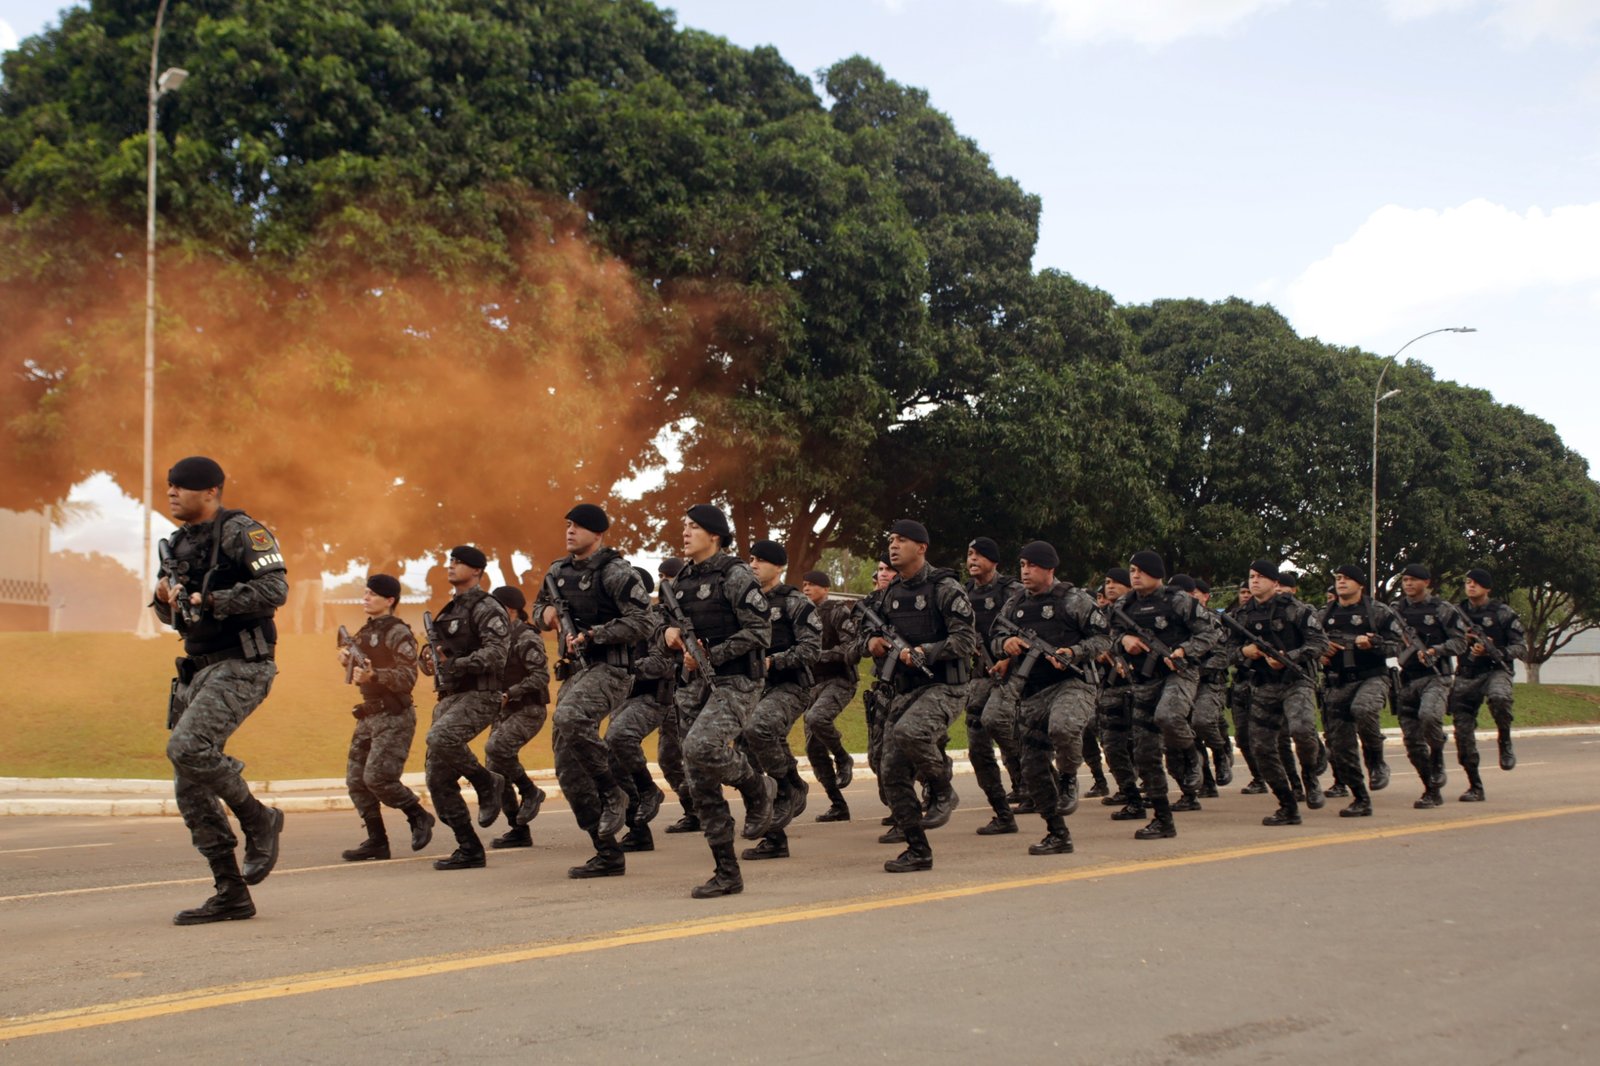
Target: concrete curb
(87,797)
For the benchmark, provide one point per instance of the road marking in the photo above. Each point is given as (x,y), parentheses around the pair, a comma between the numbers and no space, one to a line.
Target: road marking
(144,1008)
(279,872)
(54,847)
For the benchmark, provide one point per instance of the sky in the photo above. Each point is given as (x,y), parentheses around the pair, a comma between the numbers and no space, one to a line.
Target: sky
(1373,168)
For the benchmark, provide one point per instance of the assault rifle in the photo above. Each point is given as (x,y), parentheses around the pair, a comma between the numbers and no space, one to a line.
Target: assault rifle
(1414,647)
(567,663)
(1038,647)
(1271,648)
(433,660)
(176,574)
(1497,656)
(357,659)
(897,643)
(1158,648)
(694,649)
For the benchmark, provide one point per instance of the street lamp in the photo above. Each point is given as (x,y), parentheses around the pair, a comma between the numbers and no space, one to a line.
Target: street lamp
(1378,396)
(169,81)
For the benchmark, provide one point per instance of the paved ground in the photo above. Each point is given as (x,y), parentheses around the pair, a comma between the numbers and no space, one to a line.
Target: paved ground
(1466,935)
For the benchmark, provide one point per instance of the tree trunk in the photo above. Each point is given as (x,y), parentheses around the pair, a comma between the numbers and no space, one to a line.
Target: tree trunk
(1533,671)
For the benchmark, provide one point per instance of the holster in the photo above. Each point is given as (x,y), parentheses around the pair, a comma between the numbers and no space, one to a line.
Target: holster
(172,703)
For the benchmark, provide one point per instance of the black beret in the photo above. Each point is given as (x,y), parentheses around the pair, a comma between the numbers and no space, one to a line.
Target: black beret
(670,567)
(510,597)
(1266,568)
(711,520)
(883,560)
(1150,563)
(1120,575)
(1288,579)
(1354,573)
(196,473)
(986,547)
(910,529)
(644,575)
(1202,585)
(818,578)
(1040,554)
(385,585)
(588,516)
(1416,570)
(1481,576)
(466,553)
(770,551)
(1182,582)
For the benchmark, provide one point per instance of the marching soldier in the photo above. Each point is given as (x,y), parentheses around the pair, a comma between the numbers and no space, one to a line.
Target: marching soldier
(524,703)
(1362,636)
(991,705)
(642,713)
(1114,710)
(1496,642)
(836,682)
(1434,631)
(1209,696)
(669,751)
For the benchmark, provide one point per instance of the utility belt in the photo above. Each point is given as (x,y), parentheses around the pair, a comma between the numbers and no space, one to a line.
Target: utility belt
(1409,673)
(828,671)
(388,703)
(945,672)
(1213,676)
(1343,677)
(255,644)
(455,685)
(794,675)
(609,654)
(660,689)
(752,664)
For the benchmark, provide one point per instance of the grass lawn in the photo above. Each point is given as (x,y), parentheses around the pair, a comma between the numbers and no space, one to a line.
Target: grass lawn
(100,710)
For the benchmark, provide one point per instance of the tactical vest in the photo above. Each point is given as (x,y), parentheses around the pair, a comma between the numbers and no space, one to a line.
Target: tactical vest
(911,607)
(1426,621)
(516,670)
(1494,619)
(986,603)
(833,614)
(585,594)
(783,635)
(192,548)
(703,595)
(1048,616)
(459,637)
(1273,628)
(1158,613)
(1354,664)
(373,642)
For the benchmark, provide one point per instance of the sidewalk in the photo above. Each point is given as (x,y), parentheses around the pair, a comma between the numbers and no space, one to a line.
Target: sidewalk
(130,797)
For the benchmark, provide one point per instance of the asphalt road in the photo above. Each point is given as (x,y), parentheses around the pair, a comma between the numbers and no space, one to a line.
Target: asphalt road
(1464,935)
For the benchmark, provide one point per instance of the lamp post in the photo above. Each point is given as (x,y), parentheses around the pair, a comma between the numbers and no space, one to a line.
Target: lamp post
(169,80)
(1378,396)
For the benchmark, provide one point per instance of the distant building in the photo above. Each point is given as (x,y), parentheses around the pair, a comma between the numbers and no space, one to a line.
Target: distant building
(1576,664)
(24,571)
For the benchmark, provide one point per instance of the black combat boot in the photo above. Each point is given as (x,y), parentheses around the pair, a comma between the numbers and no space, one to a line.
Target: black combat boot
(518,836)
(1002,823)
(844,768)
(1067,805)
(893,836)
(608,859)
(1256,787)
(1191,762)
(1436,762)
(838,811)
(687,824)
(650,799)
(1208,783)
(1288,812)
(1057,840)
(1101,788)
(1337,790)
(775,845)
(533,798)
(638,838)
(725,879)
(491,789)
(887,819)
(261,844)
(790,802)
(1377,768)
(613,808)
(942,803)
(1162,826)
(1313,788)
(376,846)
(1508,753)
(759,792)
(917,856)
(232,899)
(469,850)
(422,824)
(1361,806)
(1133,810)
(1320,767)
(1474,792)
(1222,755)
(1119,798)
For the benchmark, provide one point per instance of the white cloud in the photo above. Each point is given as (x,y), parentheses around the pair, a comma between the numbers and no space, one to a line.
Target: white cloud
(1523,21)
(1148,22)
(1404,261)
(8,36)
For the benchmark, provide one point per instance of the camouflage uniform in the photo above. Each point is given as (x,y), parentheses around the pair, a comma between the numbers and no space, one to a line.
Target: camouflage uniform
(1479,678)
(1238,695)
(474,636)
(1355,688)
(991,707)
(1206,716)
(875,701)
(1114,723)
(1290,631)
(836,683)
(796,643)
(1425,689)
(226,671)
(386,720)
(1055,705)
(930,610)
(525,682)
(648,706)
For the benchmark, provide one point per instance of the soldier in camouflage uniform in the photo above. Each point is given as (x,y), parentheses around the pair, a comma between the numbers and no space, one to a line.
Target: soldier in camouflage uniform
(470,641)
(1114,710)
(991,704)
(796,643)
(669,753)
(1056,692)
(1239,701)
(1285,631)
(524,703)
(220,583)
(609,614)
(836,683)
(1362,636)
(1209,695)
(386,720)
(1163,686)
(645,711)
(1480,675)
(723,665)
(1434,631)
(929,612)
(879,694)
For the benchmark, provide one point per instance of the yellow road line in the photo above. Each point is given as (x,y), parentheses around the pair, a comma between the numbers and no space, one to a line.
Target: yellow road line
(132,1010)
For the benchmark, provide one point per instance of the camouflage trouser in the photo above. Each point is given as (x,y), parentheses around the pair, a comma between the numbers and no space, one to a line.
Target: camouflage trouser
(1206,717)
(457,718)
(1053,720)
(824,746)
(1276,709)
(1239,706)
(1467,695)
(1421,712)
(918,722)
(211,707)
(1160,725)
(637,718)
(583,766)
(876,700)
(1114,718)
(710,757)
(669,756)
(767,734)
(510,733)
(984,699)
(378,751)
(1091,748)
(1353,716)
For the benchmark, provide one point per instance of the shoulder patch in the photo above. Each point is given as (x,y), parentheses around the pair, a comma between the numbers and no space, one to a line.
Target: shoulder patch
(814,621)
(639,595)
(756,599)
(497,626)
(260,540)
(962,606)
